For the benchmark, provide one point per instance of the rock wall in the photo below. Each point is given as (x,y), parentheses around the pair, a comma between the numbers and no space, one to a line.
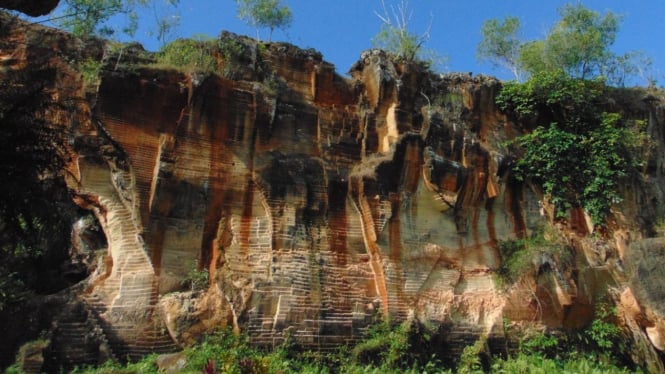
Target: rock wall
(318,202)
(314,207)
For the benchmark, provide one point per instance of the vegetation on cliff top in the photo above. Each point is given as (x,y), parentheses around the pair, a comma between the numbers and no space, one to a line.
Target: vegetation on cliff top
(578,45)
(270,14)
(578,153)
(92,17)
(396,36)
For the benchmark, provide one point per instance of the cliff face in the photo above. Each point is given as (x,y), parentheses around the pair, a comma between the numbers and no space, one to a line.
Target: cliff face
(314,207)
(317,202)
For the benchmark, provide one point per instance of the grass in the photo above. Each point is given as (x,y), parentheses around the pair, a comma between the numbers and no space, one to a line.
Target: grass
(386,348)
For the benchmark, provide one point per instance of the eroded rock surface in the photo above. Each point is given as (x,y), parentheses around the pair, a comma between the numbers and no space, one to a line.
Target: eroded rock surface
(316,202)
(314,207)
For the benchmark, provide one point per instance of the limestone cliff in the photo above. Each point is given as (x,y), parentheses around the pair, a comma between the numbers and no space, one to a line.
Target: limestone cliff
(317,202)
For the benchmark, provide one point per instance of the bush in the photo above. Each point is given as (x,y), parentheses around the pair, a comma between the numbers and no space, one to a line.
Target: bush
(541,344)
(190,54)
(603,334)
(196,279)
(91,69)
(233,52)
(470,361)
(384,346)
(577,154)
(386,349)
(519,257)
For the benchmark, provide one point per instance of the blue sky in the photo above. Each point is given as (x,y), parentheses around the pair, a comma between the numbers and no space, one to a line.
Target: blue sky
(342,29)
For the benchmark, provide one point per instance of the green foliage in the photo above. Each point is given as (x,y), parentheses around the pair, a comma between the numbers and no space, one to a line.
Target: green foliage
(603,333)
(519,257)
(12,288)
(500,44)
(384,346)
(264,14)
(377,353)
(540,344)
(90,17)
(233,52)
(396,38)
(196,279)
(569,353)
(34,223)
(545,149)
(87,15)
(580,154)
(578,45)
(147,365)
(470,360)
(515,260)
(580,42)
(537,364)
(190,54)
(555,96)
(91,69)
(166,22)
(621,68)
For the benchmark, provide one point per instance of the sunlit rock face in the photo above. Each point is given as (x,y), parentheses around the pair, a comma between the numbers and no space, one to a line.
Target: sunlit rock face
(318,203)
(314,206)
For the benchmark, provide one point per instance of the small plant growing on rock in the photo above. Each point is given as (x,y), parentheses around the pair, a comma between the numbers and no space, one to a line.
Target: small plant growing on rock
(522,256)
(196,279)
(90,69)
(541,343)
(603,333)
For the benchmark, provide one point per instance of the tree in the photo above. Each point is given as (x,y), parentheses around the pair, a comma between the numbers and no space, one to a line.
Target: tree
(165,23)
(264,14)
(580,43)
(501,44)
(531,57)
(90,17)
(395,36)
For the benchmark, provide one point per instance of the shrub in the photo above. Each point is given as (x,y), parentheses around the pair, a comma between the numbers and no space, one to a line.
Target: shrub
(577,154)
(470,361)
(603,334)
(519,257)
(90,69)
(384,346)
(542,344)
(196,279)
(234,52)
(190,54)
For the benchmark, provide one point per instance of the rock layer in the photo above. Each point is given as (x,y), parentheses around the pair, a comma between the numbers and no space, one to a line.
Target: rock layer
(314,207)
(317,202)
